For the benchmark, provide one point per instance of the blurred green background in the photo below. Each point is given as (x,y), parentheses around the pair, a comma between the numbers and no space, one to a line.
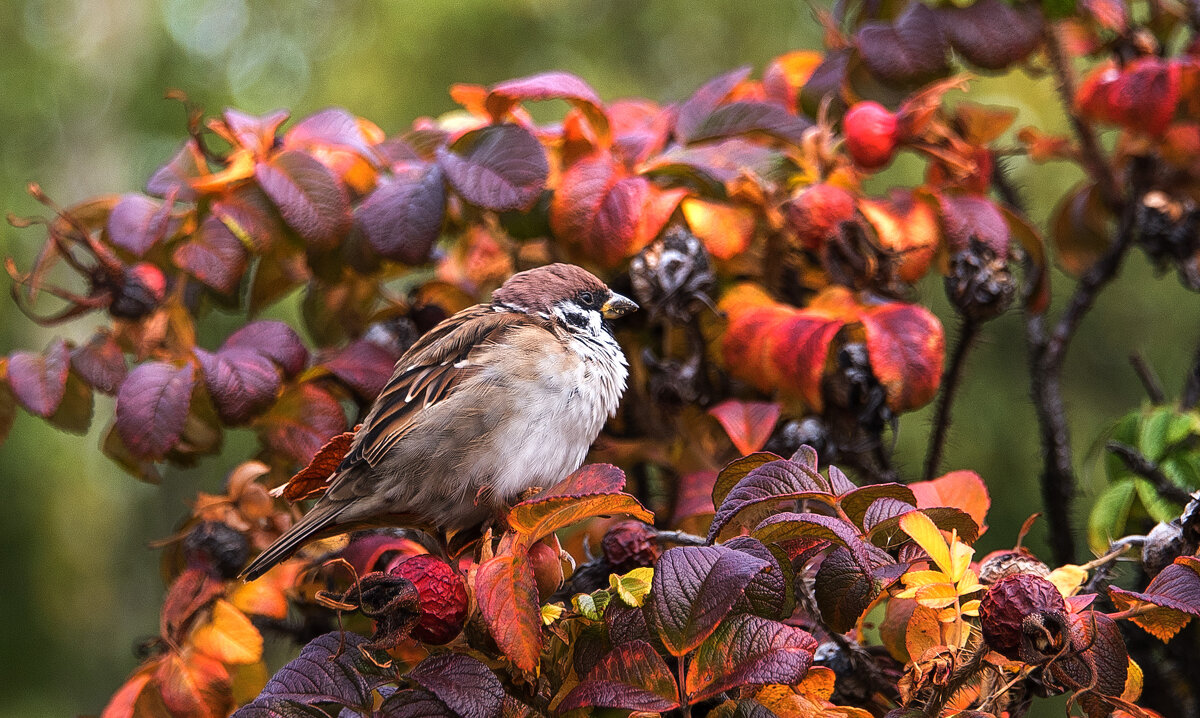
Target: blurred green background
(82,83)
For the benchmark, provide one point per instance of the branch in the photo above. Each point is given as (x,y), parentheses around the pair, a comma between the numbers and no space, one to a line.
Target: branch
(1191,386)
(1150,380)
(950,383)
(1137,462)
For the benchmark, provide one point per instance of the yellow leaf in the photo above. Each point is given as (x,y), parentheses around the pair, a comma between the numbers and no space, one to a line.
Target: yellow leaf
(936,595)
(261,598)
(1133,682)
(924,578)
(1067,579)
(229,636)
(960,558)
(551,612)
(922,530)
(969,583)
(970,608)
(633,587)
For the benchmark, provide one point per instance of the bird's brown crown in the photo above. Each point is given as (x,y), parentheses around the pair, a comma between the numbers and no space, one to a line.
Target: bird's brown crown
(540,288)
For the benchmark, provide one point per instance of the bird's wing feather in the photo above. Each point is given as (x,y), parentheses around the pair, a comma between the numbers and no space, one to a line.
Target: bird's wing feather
(428,373)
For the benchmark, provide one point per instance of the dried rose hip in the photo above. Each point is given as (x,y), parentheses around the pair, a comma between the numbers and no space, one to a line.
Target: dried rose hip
(443,597)
(216,547)
(629,545)
(140,292)
(871,132)
(1002,564)
(1018,605)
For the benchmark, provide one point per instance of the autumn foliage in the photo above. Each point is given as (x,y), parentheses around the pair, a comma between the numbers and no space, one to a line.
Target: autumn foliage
(712,558)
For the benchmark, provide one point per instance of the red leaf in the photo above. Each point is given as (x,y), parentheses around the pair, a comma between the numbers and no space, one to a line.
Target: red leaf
(906,344)
(959,489)
(272,339)
(190,592)
(748,423)
(364,366)
(301,422)
(314,478)
(402,217)
(136,699)
(249,214)
(194,686)
(40,380)
(100,363)
(797,348)
(598,206)
(696,109)
(508,601)
(138,223)
(631,677)
(311,199)
(590,491)
(908,227)
(242,382)
(152,407)
(911,49)
(693,500)
(214,255)
(992,34)
(547,86)
(588,480)
(749,650)
(501,167)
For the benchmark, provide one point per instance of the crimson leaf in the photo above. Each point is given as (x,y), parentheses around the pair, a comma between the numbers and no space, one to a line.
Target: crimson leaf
(465,685)
(242,382)
(749,650)
(40,380)
(364,366)
(631,677)
(272,339)
(214,255)
(100,363)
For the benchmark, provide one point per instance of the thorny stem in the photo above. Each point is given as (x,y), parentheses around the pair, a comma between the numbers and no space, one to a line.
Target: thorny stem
(1090,154)
(1047,351)
(1140,464)
(950,384)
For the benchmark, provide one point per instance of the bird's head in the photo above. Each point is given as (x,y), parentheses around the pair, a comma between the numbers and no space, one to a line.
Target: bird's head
(566,293)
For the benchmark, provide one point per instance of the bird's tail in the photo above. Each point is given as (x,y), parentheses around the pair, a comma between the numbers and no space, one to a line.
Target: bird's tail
(313,523)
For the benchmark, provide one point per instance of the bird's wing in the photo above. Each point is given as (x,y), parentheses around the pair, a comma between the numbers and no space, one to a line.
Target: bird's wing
(429,372)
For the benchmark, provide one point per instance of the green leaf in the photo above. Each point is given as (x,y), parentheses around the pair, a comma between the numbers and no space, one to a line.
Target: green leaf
(1160,509)
(1152,434)
(633,587)
(1109,514)
(592,605)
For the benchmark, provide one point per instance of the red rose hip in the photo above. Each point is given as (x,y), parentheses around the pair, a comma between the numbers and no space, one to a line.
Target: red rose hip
(443,595)
(870,130)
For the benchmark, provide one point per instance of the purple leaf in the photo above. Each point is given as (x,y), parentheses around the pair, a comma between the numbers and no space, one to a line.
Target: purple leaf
(631,677)
(413,703)
(693,588)
(249,214)
(272,339)
(242,382)
(501,167)
(737,470)
(749,650)
(364,366)
(745,118)
(332,126)
(625,623)
(187,164)
(911,49)
(884,508)
(330,669)
(788,525)
(278,708)
(254,132)
(769,594)
(844,590)
(101,363)
(40,380)
(886,532)
(138,223)
(547,86)
(992,34)
(402,217)
(754,497)
(213,255)
(311,199)
(696,109)
(152,407)
(855,503)
(465,685)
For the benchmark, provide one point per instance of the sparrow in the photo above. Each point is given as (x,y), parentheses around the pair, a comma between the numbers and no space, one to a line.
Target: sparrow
(497,399)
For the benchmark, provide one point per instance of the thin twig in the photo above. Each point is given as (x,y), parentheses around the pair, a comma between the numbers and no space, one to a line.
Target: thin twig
(1138,463)
(950,384)
(1150,381)
(1191,386)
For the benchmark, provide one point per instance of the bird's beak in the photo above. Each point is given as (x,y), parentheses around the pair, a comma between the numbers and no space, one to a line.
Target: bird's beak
(617,306)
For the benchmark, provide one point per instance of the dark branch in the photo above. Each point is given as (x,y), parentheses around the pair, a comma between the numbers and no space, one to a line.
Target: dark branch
(950,383)
(1137,462)
(1150,380)
(1191,386)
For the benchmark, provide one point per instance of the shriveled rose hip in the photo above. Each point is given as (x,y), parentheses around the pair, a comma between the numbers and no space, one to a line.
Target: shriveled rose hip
(443,596)
(870,131)
(1010,604)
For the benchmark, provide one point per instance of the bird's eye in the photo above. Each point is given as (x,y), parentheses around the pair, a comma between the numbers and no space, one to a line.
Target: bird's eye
(586,299)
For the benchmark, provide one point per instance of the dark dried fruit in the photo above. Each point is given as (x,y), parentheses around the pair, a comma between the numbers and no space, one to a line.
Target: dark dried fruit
(1168,229)
(870,130)
(1163,545)
(1002,564)
(979,283)
(1014,601)
(217,548)
(852,386)
(443,594)
(673,277)
(811,431)
(140,292)
(674,382)
(629,545)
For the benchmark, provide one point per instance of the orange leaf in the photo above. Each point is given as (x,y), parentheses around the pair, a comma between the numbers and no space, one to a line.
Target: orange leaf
(313,480)
(260,598)
(923,632)
(194,685)
(229,636)
(907,345)
(507,596)
(797,348)
(959,489)
(725,229)
(906,226)
(533,520)
(133,700)
(818,683)
(783,78)
(748,423)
